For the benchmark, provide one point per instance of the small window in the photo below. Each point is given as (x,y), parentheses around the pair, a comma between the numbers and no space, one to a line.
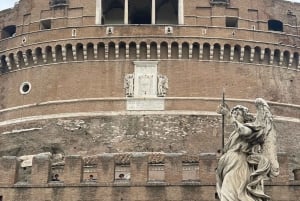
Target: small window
(219,2)
(25,88)
(58,3)
(8,31)
(45,24)
(231,22)
(275,25)
(1,197)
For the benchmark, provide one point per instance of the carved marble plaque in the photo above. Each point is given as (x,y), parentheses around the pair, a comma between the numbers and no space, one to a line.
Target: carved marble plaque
(141,87)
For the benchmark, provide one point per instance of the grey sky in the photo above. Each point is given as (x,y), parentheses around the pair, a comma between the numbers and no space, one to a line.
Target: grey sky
(10,3)
(7,4)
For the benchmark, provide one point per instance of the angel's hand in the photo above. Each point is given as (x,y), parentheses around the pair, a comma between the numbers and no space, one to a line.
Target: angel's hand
(223,109)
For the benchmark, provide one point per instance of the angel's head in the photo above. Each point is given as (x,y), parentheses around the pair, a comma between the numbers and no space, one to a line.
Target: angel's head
(260,103)
(241,114)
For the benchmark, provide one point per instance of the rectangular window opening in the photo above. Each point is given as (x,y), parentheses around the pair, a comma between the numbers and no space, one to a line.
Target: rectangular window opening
(231,22)
(45,24)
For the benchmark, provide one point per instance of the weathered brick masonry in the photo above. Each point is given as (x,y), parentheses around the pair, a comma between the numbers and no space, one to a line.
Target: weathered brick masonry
(63,90)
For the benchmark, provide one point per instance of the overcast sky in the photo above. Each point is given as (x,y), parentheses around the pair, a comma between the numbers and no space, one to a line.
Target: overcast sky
(10,3)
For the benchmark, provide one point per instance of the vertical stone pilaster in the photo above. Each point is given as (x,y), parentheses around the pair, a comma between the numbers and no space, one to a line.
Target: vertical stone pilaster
(242,54)
(74,53)
(16,61)
(148,51)
(9,167)
(158,51)
(180,12)
(25,59)
(201,52)
(222,53)
(34,58)
(95,51)
(139,168)
(8,63)
(281,58)
(290,61)
(190,51)
(84,52)
(117,51)
(169,50)
(98,11)
(173,168)
(153,12)
(231,53)
(207,167)
(179,51)
(54,56)
(127,51)
(41,169)
(211,53)
(106,51)
(252,55)
(126,12)
(283,168)
(105,168)
(64,53)
(272,58)
(44,56)
(262,55)
(73,170)
(137,51)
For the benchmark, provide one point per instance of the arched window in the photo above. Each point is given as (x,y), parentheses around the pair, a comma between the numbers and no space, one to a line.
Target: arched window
(206,51)
(227,50)
(217,52)
(12,61)
(79,52)
(49,57)
(247,54)
(275,25)
(58,53)
(90,51)
(122,50)
(21,59)
(257,53)
(143,50)
(153,50)
(164,50)
(111,51)
(267,56)
(295,60)
(29,57)
(196,51)
(39,55)
(276,59)
(237,53)
(174,50)
(101,51)
(185,50)
(132,50)
(286,58)
(4,67)
(69,52)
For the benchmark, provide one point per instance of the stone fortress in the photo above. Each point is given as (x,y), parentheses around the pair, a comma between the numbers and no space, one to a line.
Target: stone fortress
(130,87)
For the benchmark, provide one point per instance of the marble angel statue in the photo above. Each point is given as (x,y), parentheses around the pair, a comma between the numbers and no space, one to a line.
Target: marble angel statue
(250,155)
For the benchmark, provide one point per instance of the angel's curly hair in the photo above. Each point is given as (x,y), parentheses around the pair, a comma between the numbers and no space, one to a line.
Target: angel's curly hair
(246,115)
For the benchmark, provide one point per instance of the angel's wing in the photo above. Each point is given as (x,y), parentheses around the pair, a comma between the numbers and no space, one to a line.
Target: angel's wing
(269,146)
